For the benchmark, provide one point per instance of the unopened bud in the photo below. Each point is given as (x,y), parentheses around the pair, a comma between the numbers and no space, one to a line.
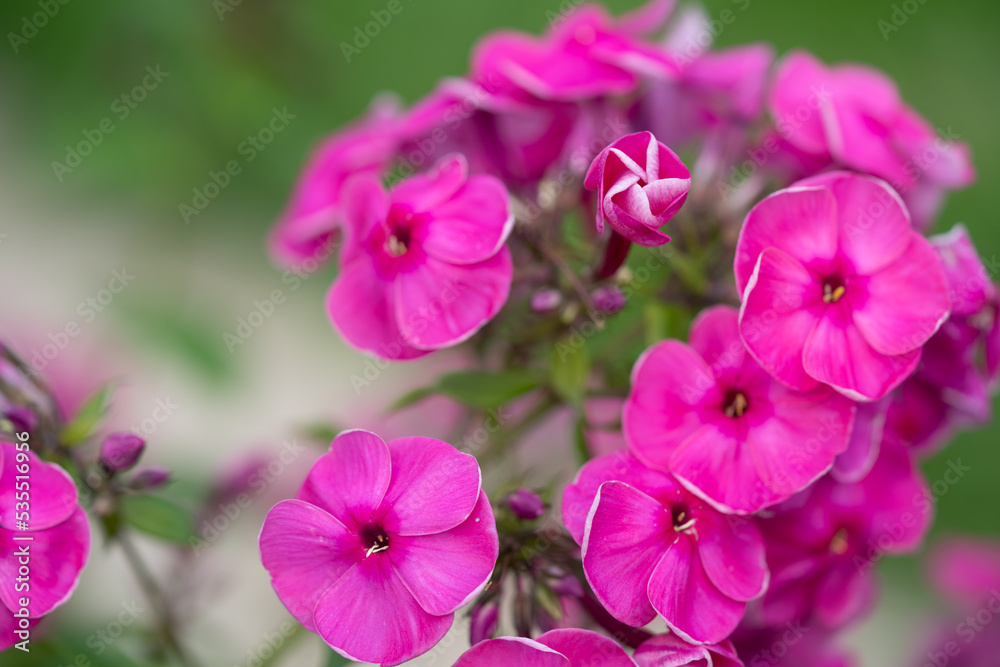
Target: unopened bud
(22,418)
(483,622)
(545,300)
(526,504)
(121,451)
(608,300)
(150,478)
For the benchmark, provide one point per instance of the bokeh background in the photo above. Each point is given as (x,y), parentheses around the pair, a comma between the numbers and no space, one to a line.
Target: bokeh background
(227,67)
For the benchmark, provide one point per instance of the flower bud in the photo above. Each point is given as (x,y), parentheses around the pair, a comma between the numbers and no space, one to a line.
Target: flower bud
(121,451)
(150,478)
(545,300)
(608,300)
(526,504)
(641,184)
(22,418)
(483,622)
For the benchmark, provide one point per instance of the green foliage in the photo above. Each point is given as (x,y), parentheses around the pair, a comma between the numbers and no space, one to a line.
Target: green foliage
(569,366)
(474,388)
(88,418)
(158,517)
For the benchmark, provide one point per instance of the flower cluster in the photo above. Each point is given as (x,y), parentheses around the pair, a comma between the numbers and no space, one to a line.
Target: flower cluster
(794,351)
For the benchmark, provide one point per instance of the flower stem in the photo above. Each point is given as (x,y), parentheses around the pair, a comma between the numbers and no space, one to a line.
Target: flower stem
(615,254)
(573,279)
(156,599)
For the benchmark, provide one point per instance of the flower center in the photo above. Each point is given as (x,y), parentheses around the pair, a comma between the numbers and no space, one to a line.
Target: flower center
(833,290)
(736,404)
(398,241)
(682,519)
(399,231)
(839,543)
(375,539)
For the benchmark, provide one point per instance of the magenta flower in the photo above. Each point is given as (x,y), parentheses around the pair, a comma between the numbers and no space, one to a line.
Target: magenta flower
(791,644)
(507,133)
(729,432)
(307,227)
(650,547)
(555,648)
(382,544)
(672,651)
(58,541)
(966,570)
(855,462)
(586,55)
(423,266)
(716,92)
(953,385)
(640,185)
(824,545)
(836,286)
(854,116)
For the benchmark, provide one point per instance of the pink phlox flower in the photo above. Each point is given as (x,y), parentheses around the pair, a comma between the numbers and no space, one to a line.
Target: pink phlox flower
(382,544)
(837,288)
(732,434)
(570,647)
(424,265)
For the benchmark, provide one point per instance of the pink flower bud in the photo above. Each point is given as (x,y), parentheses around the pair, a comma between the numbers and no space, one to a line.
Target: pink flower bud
(526,504)
(609,300)
(483,622)
(545,300)
(121,451)
(640,185)
(22,418)
(150,478)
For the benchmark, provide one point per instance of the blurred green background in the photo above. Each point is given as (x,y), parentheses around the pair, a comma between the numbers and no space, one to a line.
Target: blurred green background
(229,64)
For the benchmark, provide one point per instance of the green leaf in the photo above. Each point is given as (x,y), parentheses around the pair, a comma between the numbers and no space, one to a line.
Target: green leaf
(88,417)
(158,517)
(484,389)
(569,366)
(475,388)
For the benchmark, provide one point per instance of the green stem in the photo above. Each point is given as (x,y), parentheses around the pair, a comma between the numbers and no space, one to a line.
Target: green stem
(157,600)
(574,280)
